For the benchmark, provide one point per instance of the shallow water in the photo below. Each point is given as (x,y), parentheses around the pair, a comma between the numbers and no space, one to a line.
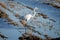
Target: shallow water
(43,27)
(49,10)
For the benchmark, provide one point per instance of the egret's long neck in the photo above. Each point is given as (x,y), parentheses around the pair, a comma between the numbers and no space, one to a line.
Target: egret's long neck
(34,13)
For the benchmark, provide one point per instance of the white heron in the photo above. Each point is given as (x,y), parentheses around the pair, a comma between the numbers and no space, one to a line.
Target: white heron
(29,16)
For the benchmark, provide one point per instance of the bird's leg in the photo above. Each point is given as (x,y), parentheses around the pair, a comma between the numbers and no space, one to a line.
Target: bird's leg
(26,20)
(25,29)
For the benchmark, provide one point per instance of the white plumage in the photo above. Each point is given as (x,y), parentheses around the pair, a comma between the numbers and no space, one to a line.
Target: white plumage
(29,16)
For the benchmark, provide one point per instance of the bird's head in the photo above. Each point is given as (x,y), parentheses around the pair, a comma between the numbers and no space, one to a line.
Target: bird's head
(36,8)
